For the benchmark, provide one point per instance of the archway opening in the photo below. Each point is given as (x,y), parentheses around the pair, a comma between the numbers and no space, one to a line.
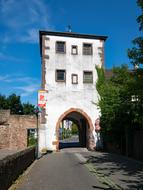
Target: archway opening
(69,134)
(73,119)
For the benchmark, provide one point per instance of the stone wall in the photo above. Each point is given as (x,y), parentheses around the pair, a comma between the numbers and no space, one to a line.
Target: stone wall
(12,166)
(13,129)
(4,116)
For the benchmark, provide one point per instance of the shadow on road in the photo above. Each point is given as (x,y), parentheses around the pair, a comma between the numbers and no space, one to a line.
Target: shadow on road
(97,187)
(125,172)
(63,145)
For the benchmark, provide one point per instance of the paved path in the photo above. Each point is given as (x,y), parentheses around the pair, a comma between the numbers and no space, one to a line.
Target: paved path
(118,171)
(60,171)
(73,141)
(79,169)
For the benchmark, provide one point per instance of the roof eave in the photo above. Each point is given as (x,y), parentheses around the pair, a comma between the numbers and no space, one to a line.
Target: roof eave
(68,34)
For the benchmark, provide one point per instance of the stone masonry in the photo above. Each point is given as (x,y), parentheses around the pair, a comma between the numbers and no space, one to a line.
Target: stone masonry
(13,129)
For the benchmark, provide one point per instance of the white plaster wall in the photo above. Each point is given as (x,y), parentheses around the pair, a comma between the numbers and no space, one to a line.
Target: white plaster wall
(64,95)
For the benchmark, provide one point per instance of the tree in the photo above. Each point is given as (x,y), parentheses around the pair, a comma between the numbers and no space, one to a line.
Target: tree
(121,97)
(121,104)
(136,53)
(137,97)
(140,18)
(28,109)
(136,56)
(3,102)
(74,129)
(14,104)
(115,104)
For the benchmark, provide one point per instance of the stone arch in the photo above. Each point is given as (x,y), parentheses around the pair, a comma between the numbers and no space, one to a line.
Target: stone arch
(88,119)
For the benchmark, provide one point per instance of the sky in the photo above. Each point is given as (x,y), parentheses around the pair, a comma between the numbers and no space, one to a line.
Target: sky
(21,20)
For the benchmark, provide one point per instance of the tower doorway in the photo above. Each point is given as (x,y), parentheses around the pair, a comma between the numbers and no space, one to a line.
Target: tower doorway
(73,120)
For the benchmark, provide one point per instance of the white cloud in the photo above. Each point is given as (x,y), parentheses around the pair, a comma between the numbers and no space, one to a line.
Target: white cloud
(22,85)
(26,79)
(22,20)
(27,90)
(6,57)
(5,78)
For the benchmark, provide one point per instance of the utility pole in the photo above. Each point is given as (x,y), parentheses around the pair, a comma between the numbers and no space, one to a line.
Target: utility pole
(37,111)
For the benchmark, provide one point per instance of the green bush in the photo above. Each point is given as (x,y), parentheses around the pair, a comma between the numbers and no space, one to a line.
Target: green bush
(32,141)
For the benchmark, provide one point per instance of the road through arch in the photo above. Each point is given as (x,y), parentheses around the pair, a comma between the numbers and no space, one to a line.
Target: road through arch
(85,126)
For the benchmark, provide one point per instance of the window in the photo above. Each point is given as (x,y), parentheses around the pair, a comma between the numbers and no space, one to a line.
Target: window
(87,77)
(74,79)
(87,49)
(31,137)
(60,75)
(60,47)
(74,50)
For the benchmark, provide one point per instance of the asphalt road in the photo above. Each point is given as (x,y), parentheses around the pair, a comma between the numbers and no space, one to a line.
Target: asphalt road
(64,170)
(79,169)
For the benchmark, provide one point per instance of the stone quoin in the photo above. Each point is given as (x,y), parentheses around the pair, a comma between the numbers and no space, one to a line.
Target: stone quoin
(69,81)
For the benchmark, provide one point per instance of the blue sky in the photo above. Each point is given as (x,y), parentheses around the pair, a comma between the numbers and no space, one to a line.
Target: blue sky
(20,21)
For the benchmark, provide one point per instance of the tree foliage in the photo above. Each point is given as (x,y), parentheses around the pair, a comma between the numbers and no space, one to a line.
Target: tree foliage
(3,102)
(121,104)
(74,129)
(28,108)
(114,102)
(136,56)
(136,53)
(13,102)
(121,96)
(101,77)
(140,18)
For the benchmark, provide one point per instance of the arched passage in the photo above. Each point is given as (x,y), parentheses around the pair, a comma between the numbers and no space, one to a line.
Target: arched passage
(85,125)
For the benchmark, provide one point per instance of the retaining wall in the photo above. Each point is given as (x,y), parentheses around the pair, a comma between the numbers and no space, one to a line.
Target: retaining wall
(12,166)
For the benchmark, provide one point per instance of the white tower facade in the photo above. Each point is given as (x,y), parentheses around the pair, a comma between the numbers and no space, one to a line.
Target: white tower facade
(69,79)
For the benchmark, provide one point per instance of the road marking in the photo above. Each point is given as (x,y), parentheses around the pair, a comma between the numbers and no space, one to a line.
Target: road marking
(80,157)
